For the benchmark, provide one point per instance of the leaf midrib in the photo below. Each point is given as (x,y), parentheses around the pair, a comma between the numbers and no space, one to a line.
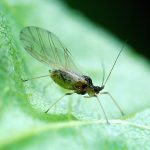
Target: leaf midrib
(70,124)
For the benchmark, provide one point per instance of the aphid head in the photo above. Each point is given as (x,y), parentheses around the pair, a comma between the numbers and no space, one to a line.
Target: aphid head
(97,89)
(92,90)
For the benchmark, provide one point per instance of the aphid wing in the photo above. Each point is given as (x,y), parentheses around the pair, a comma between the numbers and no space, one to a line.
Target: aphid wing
(46,47)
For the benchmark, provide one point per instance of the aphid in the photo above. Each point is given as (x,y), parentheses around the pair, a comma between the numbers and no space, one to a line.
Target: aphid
(44,46)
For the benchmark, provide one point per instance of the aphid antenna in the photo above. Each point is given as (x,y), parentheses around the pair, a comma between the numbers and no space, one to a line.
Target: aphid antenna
(24,80)
(113,64)
(103,73)
(104,83)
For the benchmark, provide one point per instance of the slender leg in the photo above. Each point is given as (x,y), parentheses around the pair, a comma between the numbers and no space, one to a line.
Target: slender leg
(57,101)
(102,109)
(34,78)
(119,108)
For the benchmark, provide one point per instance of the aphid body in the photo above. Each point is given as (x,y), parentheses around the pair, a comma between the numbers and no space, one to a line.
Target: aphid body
(44,46)
(72,81)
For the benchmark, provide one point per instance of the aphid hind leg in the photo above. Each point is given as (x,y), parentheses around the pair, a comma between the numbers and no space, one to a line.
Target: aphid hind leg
(58,101)
(117,105)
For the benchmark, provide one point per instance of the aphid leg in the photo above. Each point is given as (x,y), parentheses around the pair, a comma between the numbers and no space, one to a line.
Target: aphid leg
(58,101)
(100,106)
(24,80)
(119,108)
(102,109)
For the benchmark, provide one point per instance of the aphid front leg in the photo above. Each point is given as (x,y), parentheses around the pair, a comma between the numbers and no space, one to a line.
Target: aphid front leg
(102,109)
(119,108)
(58,101)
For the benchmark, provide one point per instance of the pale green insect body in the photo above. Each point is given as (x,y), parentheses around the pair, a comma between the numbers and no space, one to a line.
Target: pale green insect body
(65,79)
(44,46)
(72,81)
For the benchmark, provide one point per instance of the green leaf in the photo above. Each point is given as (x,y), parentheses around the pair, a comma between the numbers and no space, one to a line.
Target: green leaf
(75,122)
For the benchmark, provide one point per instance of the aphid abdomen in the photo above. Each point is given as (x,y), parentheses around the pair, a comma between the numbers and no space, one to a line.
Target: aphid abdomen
(63,79)
(70,80)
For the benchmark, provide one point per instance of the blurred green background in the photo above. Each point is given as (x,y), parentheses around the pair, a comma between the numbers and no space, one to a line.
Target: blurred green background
(74,123)
(126,18)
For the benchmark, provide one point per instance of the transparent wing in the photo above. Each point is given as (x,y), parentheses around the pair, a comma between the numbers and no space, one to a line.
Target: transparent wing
(46,47)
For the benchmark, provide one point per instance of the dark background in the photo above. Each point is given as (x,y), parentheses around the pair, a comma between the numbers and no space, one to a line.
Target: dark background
(128,19)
